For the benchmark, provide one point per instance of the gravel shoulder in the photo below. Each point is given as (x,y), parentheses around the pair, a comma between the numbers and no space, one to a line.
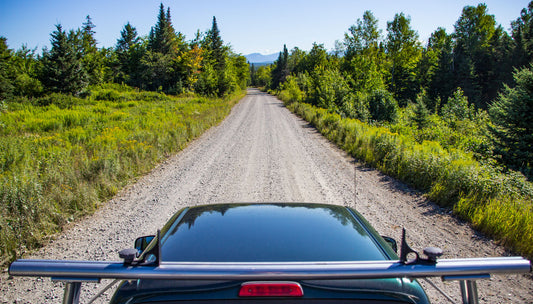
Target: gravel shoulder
(262,152)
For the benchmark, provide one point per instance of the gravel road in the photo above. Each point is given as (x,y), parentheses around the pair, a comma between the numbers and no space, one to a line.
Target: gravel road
(262,152)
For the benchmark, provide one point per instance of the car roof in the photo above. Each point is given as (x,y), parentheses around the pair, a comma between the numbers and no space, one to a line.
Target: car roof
(271,232)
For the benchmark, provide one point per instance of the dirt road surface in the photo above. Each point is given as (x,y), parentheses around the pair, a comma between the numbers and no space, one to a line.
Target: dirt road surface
(263,153)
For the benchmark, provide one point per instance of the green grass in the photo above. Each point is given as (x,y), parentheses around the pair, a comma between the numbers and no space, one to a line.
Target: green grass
(61,157)
(497,204)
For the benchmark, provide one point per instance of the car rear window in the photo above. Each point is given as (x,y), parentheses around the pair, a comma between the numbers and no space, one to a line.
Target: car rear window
(268,233)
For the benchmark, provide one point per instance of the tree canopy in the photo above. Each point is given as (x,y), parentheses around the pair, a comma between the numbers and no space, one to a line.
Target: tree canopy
(451,80)
(162,60)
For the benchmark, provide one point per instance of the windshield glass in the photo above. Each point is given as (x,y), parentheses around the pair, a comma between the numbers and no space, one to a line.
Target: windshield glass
(268,233)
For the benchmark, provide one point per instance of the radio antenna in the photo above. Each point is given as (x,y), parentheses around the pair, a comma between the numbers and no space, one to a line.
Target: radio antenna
(355,182)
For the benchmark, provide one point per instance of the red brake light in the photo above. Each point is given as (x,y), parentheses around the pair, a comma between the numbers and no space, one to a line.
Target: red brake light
(271,289)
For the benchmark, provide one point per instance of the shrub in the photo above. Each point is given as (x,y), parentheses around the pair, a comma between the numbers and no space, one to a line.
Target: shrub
(58,164)
(382,105)
(498,204)
(290,91)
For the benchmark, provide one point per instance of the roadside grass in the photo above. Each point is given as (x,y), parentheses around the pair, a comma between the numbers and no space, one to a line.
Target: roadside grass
(61,156)
(497,204)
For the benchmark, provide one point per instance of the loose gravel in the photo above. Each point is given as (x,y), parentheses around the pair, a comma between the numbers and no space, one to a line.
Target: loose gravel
(263,153)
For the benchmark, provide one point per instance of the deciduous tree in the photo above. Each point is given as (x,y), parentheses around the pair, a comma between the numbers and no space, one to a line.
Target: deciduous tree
(364,60)
(404,51)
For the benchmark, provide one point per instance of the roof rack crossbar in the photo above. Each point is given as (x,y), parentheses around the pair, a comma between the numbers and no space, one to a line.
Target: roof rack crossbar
(466,271)
(448,268)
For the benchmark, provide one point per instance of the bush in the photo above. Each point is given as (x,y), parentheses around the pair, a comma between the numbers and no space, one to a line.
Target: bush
(58,164)
(110,95)
(290,91)
(498,204)
(382,105)
(62,101)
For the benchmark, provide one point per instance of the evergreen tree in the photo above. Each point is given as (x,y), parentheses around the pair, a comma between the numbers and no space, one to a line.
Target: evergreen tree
(216,46)
(6,73)
(457,108)
(89,42)
(129,53)
(512,116)
(421,112)
(280,70)
(157,35)
(62,67)
(156,71)
(92,59)
(164,65)
(440,75)
(217,55)
(522,33)
(163,37)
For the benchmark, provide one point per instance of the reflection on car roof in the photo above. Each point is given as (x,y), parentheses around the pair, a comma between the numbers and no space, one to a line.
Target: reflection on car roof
(268,233)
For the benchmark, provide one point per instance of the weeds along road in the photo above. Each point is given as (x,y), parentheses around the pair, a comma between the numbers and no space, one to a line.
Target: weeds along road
(263,153)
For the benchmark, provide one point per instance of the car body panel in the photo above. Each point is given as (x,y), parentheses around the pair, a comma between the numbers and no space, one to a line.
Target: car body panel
(270,232)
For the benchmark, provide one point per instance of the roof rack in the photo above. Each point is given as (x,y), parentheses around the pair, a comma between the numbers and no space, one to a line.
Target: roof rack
(466,271)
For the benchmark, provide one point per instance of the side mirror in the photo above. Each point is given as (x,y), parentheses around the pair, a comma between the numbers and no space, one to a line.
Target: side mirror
(142,242)
(392,243)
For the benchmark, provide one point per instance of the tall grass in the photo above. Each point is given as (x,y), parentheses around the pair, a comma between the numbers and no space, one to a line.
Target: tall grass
(61,157)
(498,204)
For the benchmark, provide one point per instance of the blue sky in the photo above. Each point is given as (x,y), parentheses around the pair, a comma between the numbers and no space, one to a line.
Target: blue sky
(248,26)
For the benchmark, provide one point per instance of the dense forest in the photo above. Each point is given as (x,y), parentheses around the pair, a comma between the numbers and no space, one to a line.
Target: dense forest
(161,61)
(470,89)
(452,118)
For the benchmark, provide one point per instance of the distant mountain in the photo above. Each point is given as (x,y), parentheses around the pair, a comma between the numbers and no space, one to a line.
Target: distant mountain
(260,58)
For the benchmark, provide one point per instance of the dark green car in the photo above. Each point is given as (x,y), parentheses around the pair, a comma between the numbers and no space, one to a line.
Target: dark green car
(266,233)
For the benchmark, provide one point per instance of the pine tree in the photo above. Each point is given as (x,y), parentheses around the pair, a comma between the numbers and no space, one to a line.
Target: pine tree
(62,68)
(217,54)
(128,38)
(92,60)
(6,75)
(512,116)
(421,112)
(216,46)
(281,69)
(155,39)
(163,38)
(89,42)
(522,33)
(129,53)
